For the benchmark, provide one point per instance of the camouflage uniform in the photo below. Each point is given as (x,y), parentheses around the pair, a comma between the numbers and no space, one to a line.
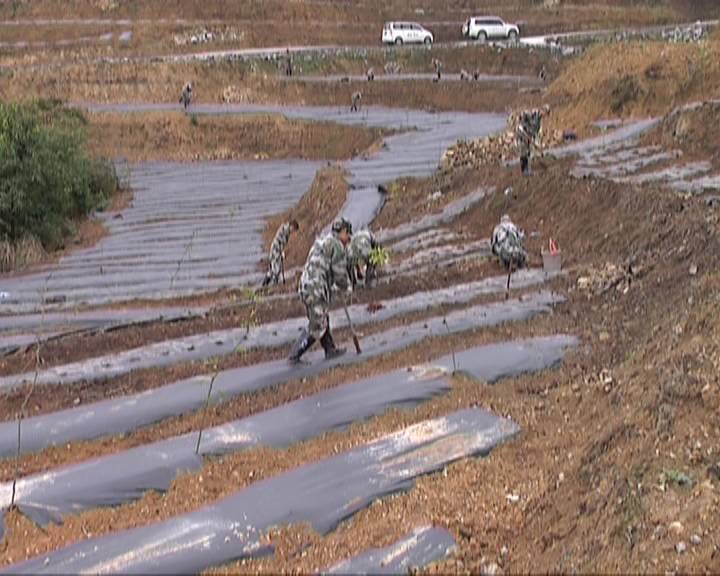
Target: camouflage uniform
(507,244)
(524,135)
(536,118)
(288,63)
(186,95)
(277,253)
(326,267)
(356,97)
(358,255)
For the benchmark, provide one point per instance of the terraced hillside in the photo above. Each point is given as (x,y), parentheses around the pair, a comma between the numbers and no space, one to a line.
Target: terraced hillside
(150,421)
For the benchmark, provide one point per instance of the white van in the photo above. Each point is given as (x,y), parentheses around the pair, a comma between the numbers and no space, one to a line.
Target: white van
(490,28)
(399,33)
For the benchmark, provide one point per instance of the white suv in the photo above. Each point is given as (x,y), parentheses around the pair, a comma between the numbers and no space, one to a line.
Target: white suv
(406,33)
(490,27)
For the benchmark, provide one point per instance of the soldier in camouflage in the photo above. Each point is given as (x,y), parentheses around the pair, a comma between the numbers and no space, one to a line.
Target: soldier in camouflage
(508,244)
(326,269)
(277,252)
(523,140)
(288,63)
(437,65)
(529,136)
(186,95)
(355,105)
(358,254)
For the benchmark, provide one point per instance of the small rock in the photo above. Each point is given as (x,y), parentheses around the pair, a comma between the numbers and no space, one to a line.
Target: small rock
(604,336)
(504,551)
(676,528)
(491,569)
(514,498)
(76,402)
(680,547)
(693,270)
(695,540)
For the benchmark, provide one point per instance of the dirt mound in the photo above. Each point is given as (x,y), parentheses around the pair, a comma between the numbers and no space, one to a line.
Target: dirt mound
(634,80)
(694,130)
(494,149)
(185,137)
(315,210)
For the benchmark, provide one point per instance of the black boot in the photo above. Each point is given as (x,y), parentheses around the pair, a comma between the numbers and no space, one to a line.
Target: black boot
(329,346)
(301,346)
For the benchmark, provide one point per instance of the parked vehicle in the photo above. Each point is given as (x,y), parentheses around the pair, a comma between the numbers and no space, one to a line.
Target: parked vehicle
(399,33)
(490,28)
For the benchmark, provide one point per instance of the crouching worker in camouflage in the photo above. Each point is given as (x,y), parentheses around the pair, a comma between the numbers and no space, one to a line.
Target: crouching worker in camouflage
(326,268)
(277,252)
(359,254)
(508,245)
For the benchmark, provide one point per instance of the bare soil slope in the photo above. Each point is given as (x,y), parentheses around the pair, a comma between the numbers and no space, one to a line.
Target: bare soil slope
(634,80)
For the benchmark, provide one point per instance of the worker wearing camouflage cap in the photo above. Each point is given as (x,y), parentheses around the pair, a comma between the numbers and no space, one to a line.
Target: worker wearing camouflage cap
(326,269)
(358,254)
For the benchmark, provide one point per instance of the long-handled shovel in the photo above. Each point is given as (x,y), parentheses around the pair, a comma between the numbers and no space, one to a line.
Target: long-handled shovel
(356,340)
(507,288)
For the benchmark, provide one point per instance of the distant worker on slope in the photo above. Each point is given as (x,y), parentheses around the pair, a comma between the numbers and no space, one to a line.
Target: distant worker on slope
(288,63)
(186,95)
(528,135)
(508,244)
(437,65)
(277,252)
(355,105)
(371,74)
(326,270)
(359,254)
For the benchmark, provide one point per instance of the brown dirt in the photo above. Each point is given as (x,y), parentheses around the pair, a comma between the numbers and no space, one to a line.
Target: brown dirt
(230,82)
(54,34)
(76,348)
(253,403)
(695,132)
(604,512)
(637,404)
(331,22)
(588,496)
(633,80)
(180,137)
(89,232)
(411,198)
(587,465)
(315,210)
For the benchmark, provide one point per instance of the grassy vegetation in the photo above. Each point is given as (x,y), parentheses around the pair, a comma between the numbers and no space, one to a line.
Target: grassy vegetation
(48,181)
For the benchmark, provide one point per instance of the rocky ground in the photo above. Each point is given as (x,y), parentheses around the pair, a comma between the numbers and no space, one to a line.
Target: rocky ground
(616,467)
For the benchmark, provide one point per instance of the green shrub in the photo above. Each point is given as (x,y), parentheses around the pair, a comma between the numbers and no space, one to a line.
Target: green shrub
(47,179)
